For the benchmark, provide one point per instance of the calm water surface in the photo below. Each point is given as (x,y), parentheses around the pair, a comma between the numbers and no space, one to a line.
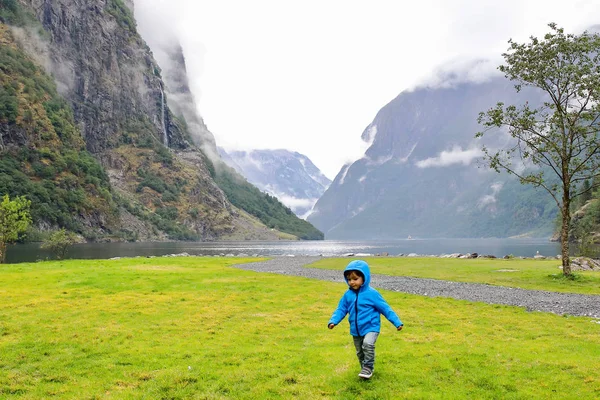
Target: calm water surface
(328,248)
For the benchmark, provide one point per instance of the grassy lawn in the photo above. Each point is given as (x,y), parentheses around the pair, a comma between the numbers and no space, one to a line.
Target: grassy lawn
(195,328)
(520,273)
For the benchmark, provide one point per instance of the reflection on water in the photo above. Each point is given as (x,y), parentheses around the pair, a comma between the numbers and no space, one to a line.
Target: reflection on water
(327,248)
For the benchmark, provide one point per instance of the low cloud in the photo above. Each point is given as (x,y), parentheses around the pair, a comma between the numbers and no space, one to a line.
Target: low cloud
(297,205)
(455,156)
(378,161)
(294,202)
(490,198)
(343,173)
(461,70)
(369,134)
(247,162)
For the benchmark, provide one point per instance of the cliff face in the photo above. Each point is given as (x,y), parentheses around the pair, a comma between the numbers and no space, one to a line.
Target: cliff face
(161,179)
(181,100)
(42,154)
(106,71)
(420,176)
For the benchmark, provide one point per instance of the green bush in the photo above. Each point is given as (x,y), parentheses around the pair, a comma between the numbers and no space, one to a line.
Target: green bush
(168,213)
(12,13)
(122,14)
(168,196)
(8,104)
(153,182)
(59,242)
(163,155)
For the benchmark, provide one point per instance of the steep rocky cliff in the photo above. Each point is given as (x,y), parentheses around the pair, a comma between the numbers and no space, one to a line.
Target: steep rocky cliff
(420,175)
(160,179)
(42,154)
(169,55)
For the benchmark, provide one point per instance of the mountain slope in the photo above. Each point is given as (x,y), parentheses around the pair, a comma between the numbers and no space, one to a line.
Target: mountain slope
(419,176)
(242,195)
(157,181)
(43,155)
(289,176)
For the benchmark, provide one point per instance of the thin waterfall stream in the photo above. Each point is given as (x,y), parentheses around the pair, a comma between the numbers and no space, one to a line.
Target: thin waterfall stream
(162,117)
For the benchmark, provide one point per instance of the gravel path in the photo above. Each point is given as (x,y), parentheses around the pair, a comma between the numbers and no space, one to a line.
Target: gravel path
(532,300)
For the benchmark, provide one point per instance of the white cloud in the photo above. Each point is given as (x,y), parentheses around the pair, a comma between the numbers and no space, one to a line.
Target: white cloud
(490,198)
(496,187)
(310,76)
(371,132)
(250,162)
(455,156)
(461,70)
(378,161)
(485,200)
(294,202)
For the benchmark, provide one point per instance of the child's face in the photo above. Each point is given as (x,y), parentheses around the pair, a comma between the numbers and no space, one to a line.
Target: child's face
(355,280)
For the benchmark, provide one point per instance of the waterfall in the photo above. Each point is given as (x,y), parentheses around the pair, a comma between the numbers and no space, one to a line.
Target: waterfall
(162,117)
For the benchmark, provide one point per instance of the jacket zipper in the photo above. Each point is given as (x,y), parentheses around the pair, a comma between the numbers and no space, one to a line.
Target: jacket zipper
(356,314)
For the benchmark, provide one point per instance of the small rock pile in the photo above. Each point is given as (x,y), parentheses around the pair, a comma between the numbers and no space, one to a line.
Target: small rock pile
(585,264)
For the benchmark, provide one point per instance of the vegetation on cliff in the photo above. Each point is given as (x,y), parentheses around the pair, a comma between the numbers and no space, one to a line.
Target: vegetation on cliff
(268,209)
(12,13)
(42,154)
(585,223)
(100,158)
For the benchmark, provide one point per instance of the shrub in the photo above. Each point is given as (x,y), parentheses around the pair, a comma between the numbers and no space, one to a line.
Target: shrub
(59,242)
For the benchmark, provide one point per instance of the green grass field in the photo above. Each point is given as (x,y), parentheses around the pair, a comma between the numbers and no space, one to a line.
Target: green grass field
(195,328)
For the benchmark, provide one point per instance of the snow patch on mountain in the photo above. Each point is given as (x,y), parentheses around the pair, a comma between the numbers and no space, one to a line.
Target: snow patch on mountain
(289,176)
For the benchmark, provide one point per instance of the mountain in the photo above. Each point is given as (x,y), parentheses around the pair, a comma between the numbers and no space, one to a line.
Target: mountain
(90,136)
(287,175)
(420,177)
(239,192)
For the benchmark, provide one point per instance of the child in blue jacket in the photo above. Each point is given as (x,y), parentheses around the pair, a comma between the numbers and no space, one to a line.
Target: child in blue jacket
(363,304)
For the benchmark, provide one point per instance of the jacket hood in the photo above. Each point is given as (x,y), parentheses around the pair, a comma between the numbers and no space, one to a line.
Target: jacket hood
(363,267)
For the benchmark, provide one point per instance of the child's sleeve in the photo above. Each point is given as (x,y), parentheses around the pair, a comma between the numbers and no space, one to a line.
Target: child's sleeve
(340,312)
(384,308)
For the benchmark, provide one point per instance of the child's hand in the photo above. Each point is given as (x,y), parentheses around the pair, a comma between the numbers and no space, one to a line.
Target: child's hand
(330,326)
(400,327)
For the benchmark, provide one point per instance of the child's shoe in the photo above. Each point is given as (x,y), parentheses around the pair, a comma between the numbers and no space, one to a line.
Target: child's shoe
(366,373)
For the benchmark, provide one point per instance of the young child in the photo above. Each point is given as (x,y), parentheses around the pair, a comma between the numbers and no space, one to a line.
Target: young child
(363,304)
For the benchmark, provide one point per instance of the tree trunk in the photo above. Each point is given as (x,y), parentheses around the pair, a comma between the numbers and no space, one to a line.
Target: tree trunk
(564,238)
(2,252)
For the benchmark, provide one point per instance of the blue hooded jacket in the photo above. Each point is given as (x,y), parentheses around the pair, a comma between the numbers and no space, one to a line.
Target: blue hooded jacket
(363,306)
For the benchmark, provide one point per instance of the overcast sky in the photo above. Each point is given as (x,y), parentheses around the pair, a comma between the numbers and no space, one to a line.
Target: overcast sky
(310,75)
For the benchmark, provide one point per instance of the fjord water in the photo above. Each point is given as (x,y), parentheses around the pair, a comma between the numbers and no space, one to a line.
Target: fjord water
(328,248)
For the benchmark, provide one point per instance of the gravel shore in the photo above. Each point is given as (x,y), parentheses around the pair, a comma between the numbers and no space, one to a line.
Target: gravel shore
(532,300)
